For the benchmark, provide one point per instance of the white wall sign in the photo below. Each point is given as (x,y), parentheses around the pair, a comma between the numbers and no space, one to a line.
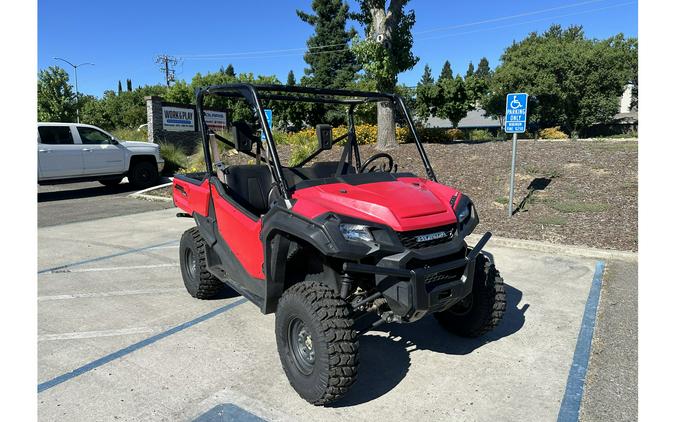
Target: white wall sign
(215,120)
(178,119)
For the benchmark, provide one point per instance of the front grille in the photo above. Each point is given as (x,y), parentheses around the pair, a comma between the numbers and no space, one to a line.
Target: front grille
(410,239)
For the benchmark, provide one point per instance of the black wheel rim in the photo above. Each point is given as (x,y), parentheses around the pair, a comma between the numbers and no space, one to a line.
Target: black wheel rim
(463,307)
(191,263)
(300,343)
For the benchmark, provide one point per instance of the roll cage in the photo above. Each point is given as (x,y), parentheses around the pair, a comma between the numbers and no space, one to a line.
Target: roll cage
(253,94)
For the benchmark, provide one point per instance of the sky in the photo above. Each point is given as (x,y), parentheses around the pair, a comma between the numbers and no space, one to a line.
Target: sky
(265,37)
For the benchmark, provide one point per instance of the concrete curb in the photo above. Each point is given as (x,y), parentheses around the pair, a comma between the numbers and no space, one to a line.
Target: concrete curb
(569,250)
(141,194)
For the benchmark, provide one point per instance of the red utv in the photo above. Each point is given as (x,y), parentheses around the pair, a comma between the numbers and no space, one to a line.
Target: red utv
(326,244)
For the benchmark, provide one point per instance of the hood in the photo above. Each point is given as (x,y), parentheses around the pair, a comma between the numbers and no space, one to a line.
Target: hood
(403,204)
(139,144)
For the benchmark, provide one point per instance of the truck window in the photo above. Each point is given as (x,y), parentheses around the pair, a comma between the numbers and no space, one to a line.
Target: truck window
(55,135)
(93,136)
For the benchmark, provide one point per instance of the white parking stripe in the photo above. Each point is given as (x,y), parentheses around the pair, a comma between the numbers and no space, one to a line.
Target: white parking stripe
(132,267)
(113,293)
(95,334)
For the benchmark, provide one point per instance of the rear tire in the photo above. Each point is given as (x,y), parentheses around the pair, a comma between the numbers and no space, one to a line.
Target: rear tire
(316,341)
(199,282)
(110,182)
(483,309)
(143,174)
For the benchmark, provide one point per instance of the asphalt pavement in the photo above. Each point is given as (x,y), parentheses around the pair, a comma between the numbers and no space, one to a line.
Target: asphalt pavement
(119,338)
(74,202)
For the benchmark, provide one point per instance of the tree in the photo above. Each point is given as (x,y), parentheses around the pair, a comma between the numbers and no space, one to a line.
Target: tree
(426,96)
(477,83)
(384,53)
(119,87)
(229,71)
(483,71)
(573,82)
(56,101)
(129,88)
(331,64)
(469,71)
(446,72)
(453,100)
(289,113)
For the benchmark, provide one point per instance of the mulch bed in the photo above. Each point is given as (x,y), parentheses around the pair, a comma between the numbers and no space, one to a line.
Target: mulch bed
(578,193)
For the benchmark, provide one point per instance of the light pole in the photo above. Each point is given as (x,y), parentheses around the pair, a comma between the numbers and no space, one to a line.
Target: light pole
(77,93)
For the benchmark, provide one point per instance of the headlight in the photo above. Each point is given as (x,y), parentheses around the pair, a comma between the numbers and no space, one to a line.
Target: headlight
(356,232)
(464,213)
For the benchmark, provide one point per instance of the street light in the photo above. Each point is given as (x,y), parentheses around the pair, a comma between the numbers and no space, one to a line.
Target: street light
(77,93)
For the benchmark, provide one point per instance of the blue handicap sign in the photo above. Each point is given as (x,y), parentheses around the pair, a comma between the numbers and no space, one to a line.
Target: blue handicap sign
(516,113)
(268,117)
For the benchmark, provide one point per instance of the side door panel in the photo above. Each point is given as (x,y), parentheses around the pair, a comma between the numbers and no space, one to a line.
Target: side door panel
(100,155)
(241,233)
(58,155)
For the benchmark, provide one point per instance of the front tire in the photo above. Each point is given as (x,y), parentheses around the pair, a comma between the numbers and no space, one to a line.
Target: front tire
(199,282)
(143,174)
(316,341)
(483,309)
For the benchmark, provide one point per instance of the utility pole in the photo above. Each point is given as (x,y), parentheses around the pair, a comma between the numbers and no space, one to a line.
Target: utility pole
(167,62)
(77,93)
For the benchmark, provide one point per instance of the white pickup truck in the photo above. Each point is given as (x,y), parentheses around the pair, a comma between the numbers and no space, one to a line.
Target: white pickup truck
(70,152)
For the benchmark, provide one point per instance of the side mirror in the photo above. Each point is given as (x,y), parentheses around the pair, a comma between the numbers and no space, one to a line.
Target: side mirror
(242,137)
(325,135)
(114,141)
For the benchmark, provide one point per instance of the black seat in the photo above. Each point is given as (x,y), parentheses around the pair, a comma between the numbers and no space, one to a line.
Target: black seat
(250,186)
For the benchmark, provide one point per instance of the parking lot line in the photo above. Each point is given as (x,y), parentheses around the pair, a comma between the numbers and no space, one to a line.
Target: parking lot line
(136,346)
(108,294)
(100,258)
(574,390)
(96,334)
(129,267)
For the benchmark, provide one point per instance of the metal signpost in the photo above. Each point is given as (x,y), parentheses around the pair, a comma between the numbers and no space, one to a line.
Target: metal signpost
(515,122)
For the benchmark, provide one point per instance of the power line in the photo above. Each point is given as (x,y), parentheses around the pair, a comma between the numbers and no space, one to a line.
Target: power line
(303,50)
(253,55)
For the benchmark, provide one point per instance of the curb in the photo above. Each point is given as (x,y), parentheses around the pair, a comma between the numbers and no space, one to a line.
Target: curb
(570,250)
(141,193)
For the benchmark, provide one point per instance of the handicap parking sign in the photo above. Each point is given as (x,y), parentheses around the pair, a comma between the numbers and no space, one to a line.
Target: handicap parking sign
(516,113)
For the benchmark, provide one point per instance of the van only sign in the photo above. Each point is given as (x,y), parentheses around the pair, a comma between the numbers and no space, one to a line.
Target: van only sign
(177,119)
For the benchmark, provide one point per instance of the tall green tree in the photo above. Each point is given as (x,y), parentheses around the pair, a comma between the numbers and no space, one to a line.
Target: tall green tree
(129,87)
(477,83)
(483,70)
(331,64)
(469,71)
(574,82)
(453,101)
(229,71)
(384,53)
(426,96)
(56,100)
(119,87)
(446,71)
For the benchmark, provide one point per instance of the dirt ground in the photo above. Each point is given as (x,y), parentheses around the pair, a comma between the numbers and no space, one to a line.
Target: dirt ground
(577,193)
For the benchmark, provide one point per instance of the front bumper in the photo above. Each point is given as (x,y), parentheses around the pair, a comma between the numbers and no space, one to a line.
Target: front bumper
(411,293)
(160,165)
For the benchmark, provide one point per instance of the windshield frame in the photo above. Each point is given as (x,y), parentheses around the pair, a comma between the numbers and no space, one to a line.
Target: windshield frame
(253,94)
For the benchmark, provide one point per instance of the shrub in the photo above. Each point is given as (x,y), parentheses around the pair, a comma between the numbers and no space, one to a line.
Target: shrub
(480,135)
(126,134)
(455,134)
(553,133)
(174,158)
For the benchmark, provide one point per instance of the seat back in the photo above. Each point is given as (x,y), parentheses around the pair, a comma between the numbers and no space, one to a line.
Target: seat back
(250,186)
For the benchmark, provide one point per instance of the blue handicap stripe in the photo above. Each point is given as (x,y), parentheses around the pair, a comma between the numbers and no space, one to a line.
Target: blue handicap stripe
(130,349)
(574,391)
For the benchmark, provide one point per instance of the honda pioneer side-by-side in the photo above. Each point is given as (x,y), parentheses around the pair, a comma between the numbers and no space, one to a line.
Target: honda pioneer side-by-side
(327,245)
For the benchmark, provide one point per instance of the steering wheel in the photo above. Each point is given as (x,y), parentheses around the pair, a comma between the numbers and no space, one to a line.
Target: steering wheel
(388,168)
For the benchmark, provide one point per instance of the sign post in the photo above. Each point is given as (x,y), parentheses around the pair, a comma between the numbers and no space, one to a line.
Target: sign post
(515,122)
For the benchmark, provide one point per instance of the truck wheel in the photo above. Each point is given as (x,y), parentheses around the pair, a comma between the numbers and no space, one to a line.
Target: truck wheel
(110,182)
(199,282)
(483,309)
(143,174)
(316,341)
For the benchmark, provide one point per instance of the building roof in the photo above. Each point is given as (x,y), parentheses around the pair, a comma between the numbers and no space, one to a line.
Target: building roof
(473,119)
